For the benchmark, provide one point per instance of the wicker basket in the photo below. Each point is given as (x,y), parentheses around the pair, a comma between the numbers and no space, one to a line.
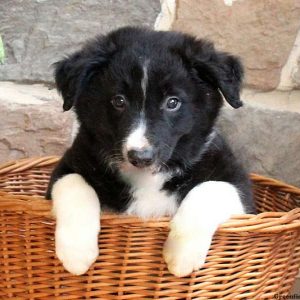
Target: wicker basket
(252,257)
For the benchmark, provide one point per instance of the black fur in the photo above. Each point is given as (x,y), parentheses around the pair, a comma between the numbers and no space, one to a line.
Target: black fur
(179,65)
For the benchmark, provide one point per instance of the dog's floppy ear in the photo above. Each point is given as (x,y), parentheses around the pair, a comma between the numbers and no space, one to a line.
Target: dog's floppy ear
(222,70)
(67,73)
(74,72)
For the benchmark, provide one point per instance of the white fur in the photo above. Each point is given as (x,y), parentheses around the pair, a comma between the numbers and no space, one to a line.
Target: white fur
(144,81)
(137,139)
(77,210)
(148,198)
(204,208)
(75,126)
(208,142)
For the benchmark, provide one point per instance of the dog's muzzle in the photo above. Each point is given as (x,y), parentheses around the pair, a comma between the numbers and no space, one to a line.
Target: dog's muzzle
(141,158)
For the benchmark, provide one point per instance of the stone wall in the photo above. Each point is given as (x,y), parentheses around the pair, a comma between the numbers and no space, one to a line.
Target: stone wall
(37,33)
(264,33)
(32,122)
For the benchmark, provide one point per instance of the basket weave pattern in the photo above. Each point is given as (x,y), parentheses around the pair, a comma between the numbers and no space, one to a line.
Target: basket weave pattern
(251,257)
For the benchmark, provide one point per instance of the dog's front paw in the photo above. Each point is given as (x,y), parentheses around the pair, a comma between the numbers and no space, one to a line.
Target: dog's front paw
(77,210)
(76,252)
(185,254)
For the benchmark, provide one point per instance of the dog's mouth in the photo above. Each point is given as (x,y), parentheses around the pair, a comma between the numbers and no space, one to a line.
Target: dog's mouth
(133,161)
(145,158)
(127,167)
(144,161)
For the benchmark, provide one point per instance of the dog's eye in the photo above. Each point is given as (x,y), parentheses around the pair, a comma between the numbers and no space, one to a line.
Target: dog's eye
(172,104)
(119,102)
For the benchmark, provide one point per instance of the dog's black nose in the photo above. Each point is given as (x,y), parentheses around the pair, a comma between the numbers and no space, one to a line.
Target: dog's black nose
(141,158)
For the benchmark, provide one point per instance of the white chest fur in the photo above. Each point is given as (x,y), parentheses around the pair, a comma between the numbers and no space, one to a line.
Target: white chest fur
(148,200)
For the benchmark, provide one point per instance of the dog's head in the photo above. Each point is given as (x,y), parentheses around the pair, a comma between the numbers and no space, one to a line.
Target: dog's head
(148,98)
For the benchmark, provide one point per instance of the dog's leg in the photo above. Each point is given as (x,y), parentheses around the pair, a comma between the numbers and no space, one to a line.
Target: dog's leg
(205,207)
(77,210)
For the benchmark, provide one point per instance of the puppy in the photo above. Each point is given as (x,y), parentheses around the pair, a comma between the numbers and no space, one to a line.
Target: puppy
(147,103)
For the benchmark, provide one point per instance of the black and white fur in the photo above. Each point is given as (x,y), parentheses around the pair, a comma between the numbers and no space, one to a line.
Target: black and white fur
(147,103)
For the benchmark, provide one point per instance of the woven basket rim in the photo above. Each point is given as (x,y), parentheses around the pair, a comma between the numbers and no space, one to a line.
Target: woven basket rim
(23,164)
(266,222)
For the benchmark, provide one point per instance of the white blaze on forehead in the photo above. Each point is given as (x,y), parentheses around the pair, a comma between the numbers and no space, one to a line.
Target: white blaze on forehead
(137,138)
(144,81)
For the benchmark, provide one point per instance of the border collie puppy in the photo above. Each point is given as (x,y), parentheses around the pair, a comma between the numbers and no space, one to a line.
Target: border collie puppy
(147,102)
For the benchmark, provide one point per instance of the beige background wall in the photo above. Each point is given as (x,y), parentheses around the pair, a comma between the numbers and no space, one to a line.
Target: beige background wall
(262,32)
(264,133)
(265,34)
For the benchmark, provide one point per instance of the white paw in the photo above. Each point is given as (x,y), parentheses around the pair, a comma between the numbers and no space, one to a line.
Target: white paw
(76,252)
(185,254)
(204,208)
(77,210)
